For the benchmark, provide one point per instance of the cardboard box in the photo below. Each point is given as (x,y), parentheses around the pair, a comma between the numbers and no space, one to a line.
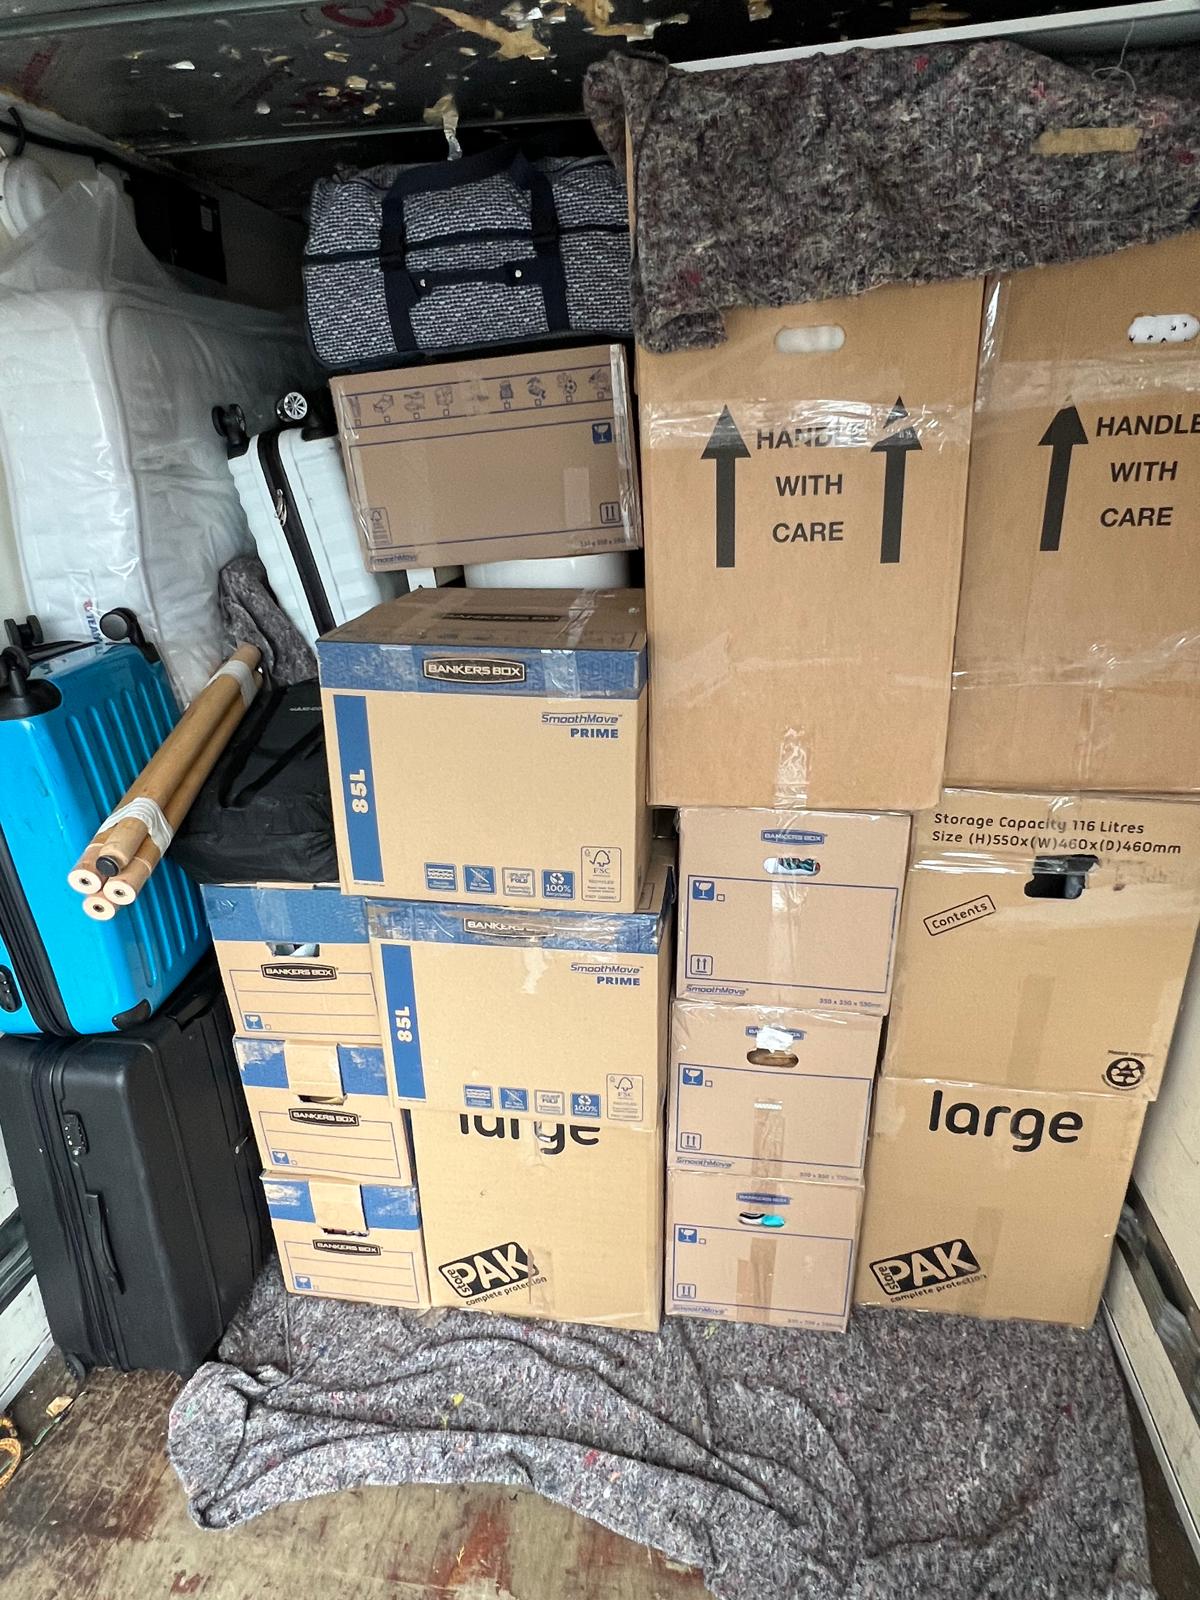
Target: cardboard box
(761,1249)
(1045,940)
(488,745)
(784,1094)
(542,1218)
(348,1241)
(549,1013)
(495,459)
(804,518)
(1078,655)
(991,1202)
(794,908)
(295,961)
(324,1108)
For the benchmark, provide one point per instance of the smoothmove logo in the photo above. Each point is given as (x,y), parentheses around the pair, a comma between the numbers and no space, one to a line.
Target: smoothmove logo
(578,719)
(473,669)
(609,972)
(294,973)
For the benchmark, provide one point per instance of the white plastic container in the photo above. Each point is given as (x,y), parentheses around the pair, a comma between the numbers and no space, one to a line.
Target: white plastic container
(608,571)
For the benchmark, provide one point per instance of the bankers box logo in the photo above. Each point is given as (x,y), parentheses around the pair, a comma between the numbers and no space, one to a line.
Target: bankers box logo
(293,972)
(473,669)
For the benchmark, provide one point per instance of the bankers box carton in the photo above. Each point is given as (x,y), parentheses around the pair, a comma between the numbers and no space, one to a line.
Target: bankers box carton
(1078,656)
(295,961)
(496,458)
(804,490)
(790,908)
(991,1201)
(559,1014)
(1045,940)
(488,746)
(348,1241)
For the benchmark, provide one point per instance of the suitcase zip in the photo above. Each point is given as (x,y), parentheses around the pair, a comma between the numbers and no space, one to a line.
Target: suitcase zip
(329,258)
(292,525)
(46,1089)
(31,965)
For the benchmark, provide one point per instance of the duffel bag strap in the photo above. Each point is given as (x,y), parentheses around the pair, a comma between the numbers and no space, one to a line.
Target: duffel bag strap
(399,291)
(547,242)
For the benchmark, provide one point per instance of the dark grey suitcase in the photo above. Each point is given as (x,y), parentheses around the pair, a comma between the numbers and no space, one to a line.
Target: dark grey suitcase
(137,1181)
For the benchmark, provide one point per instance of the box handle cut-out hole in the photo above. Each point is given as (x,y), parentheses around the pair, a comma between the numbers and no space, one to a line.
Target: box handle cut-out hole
(772,1058)
(821,340)
(791,866)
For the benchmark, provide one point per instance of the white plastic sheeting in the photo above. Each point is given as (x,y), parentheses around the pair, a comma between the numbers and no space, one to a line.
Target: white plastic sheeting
(117,482)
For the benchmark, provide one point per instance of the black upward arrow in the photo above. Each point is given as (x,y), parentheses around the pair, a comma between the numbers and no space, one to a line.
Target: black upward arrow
(1063,434)
(726,448)
(895,447)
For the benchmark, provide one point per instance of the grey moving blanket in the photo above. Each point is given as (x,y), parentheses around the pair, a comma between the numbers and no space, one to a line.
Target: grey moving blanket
(808,180)
(916,1458)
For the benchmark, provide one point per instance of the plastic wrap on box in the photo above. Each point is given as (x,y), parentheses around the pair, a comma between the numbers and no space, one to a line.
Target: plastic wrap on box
(1045,940)
(117,482)
(1077,659)
(803,489)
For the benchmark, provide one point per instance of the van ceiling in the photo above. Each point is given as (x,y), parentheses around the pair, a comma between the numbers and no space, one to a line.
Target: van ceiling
(260,96)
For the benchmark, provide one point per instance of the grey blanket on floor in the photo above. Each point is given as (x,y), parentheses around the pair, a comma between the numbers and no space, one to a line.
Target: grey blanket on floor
(807,180)
(916,1458)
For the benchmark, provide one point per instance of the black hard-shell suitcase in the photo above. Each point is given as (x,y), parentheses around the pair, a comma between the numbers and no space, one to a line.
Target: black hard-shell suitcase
(137,1180)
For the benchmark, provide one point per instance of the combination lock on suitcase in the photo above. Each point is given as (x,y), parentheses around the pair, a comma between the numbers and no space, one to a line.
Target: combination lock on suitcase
(137,1180)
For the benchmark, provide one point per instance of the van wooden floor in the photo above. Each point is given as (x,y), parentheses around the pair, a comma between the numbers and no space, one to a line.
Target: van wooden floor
(96,1513)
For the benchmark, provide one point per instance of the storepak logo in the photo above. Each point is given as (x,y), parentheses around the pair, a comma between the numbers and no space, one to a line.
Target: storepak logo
(934,1266)
(293,972)
(473,669)
(499,1269)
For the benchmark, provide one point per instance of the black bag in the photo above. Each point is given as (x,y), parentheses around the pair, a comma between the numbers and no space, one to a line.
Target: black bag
(492,249)
(264,815)
(138,1182)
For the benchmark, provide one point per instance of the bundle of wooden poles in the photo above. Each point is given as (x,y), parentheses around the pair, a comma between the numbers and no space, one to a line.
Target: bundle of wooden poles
(130,843)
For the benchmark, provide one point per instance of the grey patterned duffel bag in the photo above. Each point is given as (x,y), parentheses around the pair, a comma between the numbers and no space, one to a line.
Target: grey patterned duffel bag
(493,249)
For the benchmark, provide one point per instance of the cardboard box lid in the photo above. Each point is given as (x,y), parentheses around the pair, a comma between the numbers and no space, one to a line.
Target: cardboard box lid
(556,643)
(311,1067)
(1077,655)
(340,1206)
(641,932)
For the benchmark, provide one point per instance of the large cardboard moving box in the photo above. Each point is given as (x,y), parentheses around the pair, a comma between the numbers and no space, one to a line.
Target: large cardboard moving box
(493,459)
(790,908)
(348,1241)
(770,1091)
(761,1249)
(1078,655)
(993,1202)
(546,1013)
(489,745)
(322,1108)
(542,1218)
(803,544)
(295,961)
(1045,940)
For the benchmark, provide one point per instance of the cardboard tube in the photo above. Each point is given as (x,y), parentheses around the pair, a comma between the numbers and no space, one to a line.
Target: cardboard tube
(170,763)
(124,888)
(83,876)
(98,908)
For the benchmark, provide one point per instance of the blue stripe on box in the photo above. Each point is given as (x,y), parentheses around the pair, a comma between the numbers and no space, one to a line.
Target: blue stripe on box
(421,922)
(358,787)
(262,1063)
(285,916)
(404,1035)
(289,1201)
(388,1205)
(547,674)
(363,1069)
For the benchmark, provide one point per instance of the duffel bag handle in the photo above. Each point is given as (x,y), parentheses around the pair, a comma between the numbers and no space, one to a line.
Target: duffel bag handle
(401,293)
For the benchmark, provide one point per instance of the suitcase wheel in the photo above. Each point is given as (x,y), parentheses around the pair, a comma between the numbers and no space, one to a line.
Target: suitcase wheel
(230,423)
(26,635)
(291,407)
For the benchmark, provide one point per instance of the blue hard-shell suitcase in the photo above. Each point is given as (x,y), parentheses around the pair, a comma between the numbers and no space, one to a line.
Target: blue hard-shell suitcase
(77,724)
